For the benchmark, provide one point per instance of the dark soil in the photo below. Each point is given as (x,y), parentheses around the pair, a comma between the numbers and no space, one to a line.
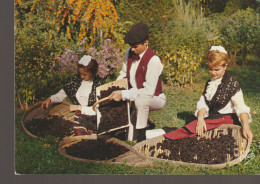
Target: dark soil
(204,151)
(95,150)
(113,114)
(52,125)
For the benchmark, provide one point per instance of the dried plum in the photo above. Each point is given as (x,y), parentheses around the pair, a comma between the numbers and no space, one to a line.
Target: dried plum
(203,151)
(95,150)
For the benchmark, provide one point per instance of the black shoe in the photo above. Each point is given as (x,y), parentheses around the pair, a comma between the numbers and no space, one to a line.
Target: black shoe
(141,134)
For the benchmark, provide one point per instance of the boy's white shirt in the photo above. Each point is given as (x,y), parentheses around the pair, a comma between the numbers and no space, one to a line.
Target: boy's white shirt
(154,70)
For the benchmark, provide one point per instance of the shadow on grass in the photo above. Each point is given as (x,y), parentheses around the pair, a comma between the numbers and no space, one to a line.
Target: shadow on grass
(187,116)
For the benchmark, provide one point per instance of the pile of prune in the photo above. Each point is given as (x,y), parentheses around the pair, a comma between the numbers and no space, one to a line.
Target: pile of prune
(95,150)
(113,114)
(203,151)
(55,126)
(89,122)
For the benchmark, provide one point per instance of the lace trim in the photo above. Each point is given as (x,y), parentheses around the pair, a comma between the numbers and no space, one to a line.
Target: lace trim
(229,87)
(73,85)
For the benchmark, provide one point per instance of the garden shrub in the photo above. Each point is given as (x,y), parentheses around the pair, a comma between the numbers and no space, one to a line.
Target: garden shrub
(183,42)
(108,57)
(240,33)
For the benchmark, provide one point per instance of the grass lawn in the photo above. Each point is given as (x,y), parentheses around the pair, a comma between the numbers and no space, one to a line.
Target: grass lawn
(34,156)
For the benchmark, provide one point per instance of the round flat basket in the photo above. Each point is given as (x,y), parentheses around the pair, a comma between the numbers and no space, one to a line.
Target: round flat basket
(36,112)
(241,149)
(129,157)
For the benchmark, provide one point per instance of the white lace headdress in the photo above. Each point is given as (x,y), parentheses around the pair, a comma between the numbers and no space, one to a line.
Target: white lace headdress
(219,48)
(85,60)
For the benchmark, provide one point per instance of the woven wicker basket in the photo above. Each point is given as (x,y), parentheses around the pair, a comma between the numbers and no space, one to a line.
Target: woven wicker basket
(131,158)
(36,112)
(243,148)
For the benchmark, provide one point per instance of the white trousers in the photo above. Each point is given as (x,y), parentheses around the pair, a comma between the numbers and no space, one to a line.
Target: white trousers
(144,105)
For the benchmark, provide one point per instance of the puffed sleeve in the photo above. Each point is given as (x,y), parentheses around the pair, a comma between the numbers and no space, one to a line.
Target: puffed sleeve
(200,105)
(87,110)
(240,106)
(58,97)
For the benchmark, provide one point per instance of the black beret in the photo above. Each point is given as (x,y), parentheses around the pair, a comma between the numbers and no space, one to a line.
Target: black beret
(137,34)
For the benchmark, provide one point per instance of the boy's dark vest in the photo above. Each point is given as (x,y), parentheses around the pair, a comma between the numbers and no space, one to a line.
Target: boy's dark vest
(141,71)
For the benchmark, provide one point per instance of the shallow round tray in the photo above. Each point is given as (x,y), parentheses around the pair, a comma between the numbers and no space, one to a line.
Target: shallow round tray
(36,112)
(131,158)
(243,144)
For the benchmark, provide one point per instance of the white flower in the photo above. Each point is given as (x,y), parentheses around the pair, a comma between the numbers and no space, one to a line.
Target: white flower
(219,48)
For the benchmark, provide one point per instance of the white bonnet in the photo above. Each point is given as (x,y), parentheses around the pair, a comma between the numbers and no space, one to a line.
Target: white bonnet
(85,60)
(219,48)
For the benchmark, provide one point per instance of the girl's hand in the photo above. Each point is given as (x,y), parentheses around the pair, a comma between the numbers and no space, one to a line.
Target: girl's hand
(248,134)
(244,117)
(75,108)
(46,103)
(201,126)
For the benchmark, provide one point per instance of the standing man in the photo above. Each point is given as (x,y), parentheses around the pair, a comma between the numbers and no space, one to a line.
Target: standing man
(142,68)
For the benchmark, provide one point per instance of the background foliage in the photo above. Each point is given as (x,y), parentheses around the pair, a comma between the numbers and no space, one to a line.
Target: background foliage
(52,35)
(44,30)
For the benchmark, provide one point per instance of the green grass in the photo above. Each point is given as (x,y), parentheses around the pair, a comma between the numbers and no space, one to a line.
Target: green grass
(33,157)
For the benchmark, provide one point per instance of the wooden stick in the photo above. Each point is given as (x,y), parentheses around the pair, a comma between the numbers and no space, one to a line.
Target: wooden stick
(215,132)
(101,100)
(228,158)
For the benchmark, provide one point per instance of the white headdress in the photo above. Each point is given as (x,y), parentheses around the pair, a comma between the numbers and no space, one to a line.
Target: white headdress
(85,60)
(219,48)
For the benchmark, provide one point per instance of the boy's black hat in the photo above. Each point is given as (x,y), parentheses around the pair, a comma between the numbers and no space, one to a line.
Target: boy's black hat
(137,34)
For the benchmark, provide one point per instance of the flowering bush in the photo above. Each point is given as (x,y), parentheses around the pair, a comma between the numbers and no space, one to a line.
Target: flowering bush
(67,61)
(108,58)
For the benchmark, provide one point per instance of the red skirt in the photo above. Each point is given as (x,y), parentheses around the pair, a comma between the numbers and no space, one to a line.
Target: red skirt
(189,130)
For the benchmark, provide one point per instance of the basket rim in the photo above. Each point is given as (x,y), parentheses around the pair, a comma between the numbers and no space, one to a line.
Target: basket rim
(70,139)
(216,166)
(23,122)
(35,106)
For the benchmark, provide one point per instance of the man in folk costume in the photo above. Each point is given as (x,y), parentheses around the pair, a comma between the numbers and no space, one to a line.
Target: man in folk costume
(142,67)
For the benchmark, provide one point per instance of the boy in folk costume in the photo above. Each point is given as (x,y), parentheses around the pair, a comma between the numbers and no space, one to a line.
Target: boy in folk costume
(221,102)
(142,68)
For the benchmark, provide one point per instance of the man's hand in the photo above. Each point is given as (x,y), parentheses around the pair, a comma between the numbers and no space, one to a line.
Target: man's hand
(75,108)
(116,95)
(201,126)
(46,103)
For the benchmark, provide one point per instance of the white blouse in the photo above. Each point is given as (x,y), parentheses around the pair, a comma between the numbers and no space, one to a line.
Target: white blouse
(154,70)
(235,105)
(82,96)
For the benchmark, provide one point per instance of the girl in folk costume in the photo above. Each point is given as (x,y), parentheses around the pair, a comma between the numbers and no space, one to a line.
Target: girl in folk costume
(221,102)
(80,89)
